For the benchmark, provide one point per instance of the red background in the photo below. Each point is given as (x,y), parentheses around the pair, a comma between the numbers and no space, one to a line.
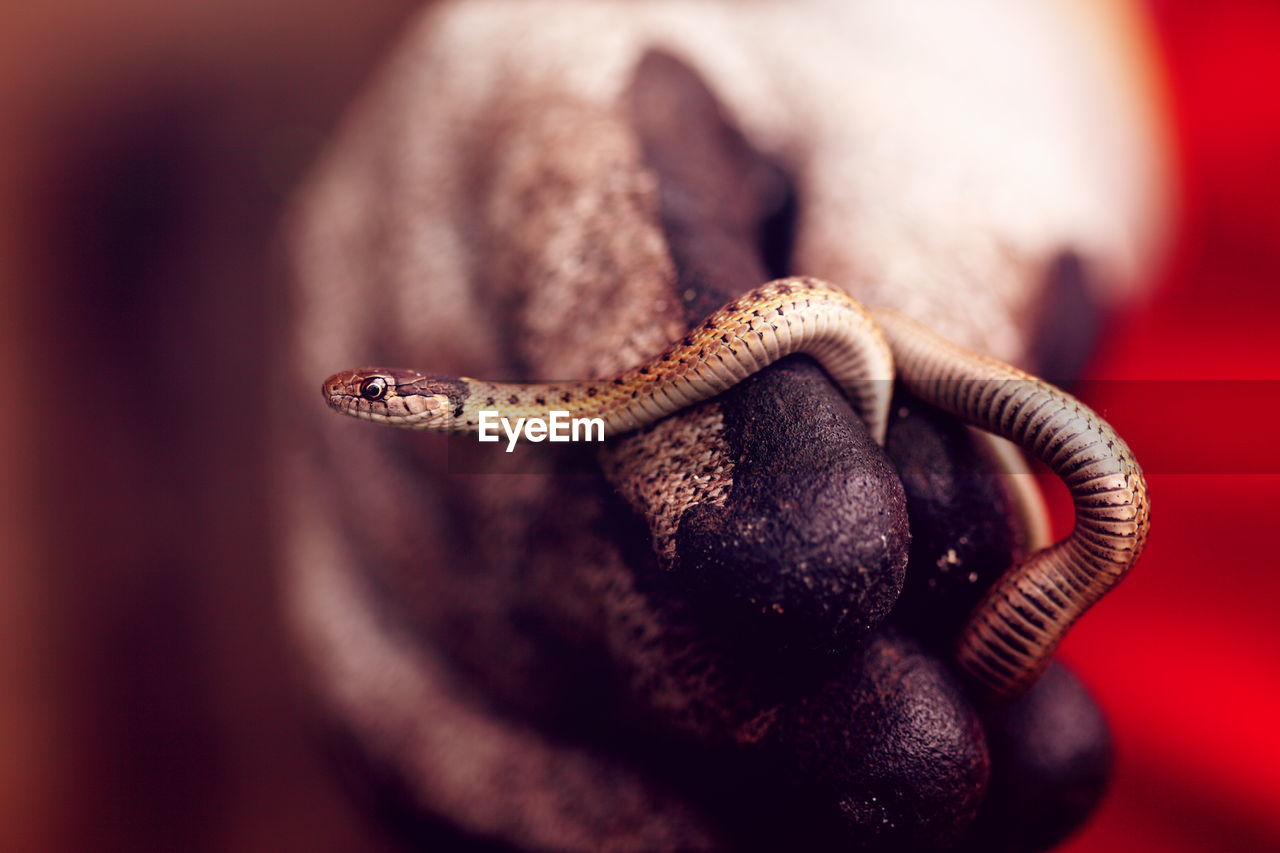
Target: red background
(1185,655)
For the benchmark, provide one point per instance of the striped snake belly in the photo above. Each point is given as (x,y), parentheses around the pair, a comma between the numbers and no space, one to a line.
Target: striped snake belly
(1011,634)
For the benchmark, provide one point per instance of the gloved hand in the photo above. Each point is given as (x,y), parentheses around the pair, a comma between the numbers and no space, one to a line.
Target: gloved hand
(731,628)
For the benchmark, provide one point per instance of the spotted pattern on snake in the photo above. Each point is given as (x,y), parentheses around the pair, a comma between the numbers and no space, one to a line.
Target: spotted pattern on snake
(784,317)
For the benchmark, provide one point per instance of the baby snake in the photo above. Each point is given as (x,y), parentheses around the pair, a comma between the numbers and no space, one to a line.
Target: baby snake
(1013,631)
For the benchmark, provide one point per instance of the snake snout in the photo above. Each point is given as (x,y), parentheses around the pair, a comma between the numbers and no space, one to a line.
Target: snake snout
(340,389)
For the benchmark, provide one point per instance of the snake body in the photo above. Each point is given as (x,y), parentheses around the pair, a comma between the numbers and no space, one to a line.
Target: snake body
(1013,631)
(781,318)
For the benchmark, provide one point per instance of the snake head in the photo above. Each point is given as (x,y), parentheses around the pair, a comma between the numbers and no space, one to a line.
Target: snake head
(403,398)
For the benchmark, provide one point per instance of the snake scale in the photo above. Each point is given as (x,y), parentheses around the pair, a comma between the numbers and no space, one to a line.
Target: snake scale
(1013,631)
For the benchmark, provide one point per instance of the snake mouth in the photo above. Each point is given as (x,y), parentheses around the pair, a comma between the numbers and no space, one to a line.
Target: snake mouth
(335,399)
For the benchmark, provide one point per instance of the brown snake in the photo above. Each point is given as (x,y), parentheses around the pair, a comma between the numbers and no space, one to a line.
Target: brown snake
(783,317)
(1012,633)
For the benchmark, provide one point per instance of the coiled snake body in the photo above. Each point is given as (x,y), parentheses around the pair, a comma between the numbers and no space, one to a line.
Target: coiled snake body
(1013,631)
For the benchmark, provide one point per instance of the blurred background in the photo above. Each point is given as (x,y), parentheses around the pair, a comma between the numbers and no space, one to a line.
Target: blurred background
(147,699)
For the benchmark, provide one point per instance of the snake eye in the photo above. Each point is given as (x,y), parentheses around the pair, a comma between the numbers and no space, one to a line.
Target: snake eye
(374,388)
